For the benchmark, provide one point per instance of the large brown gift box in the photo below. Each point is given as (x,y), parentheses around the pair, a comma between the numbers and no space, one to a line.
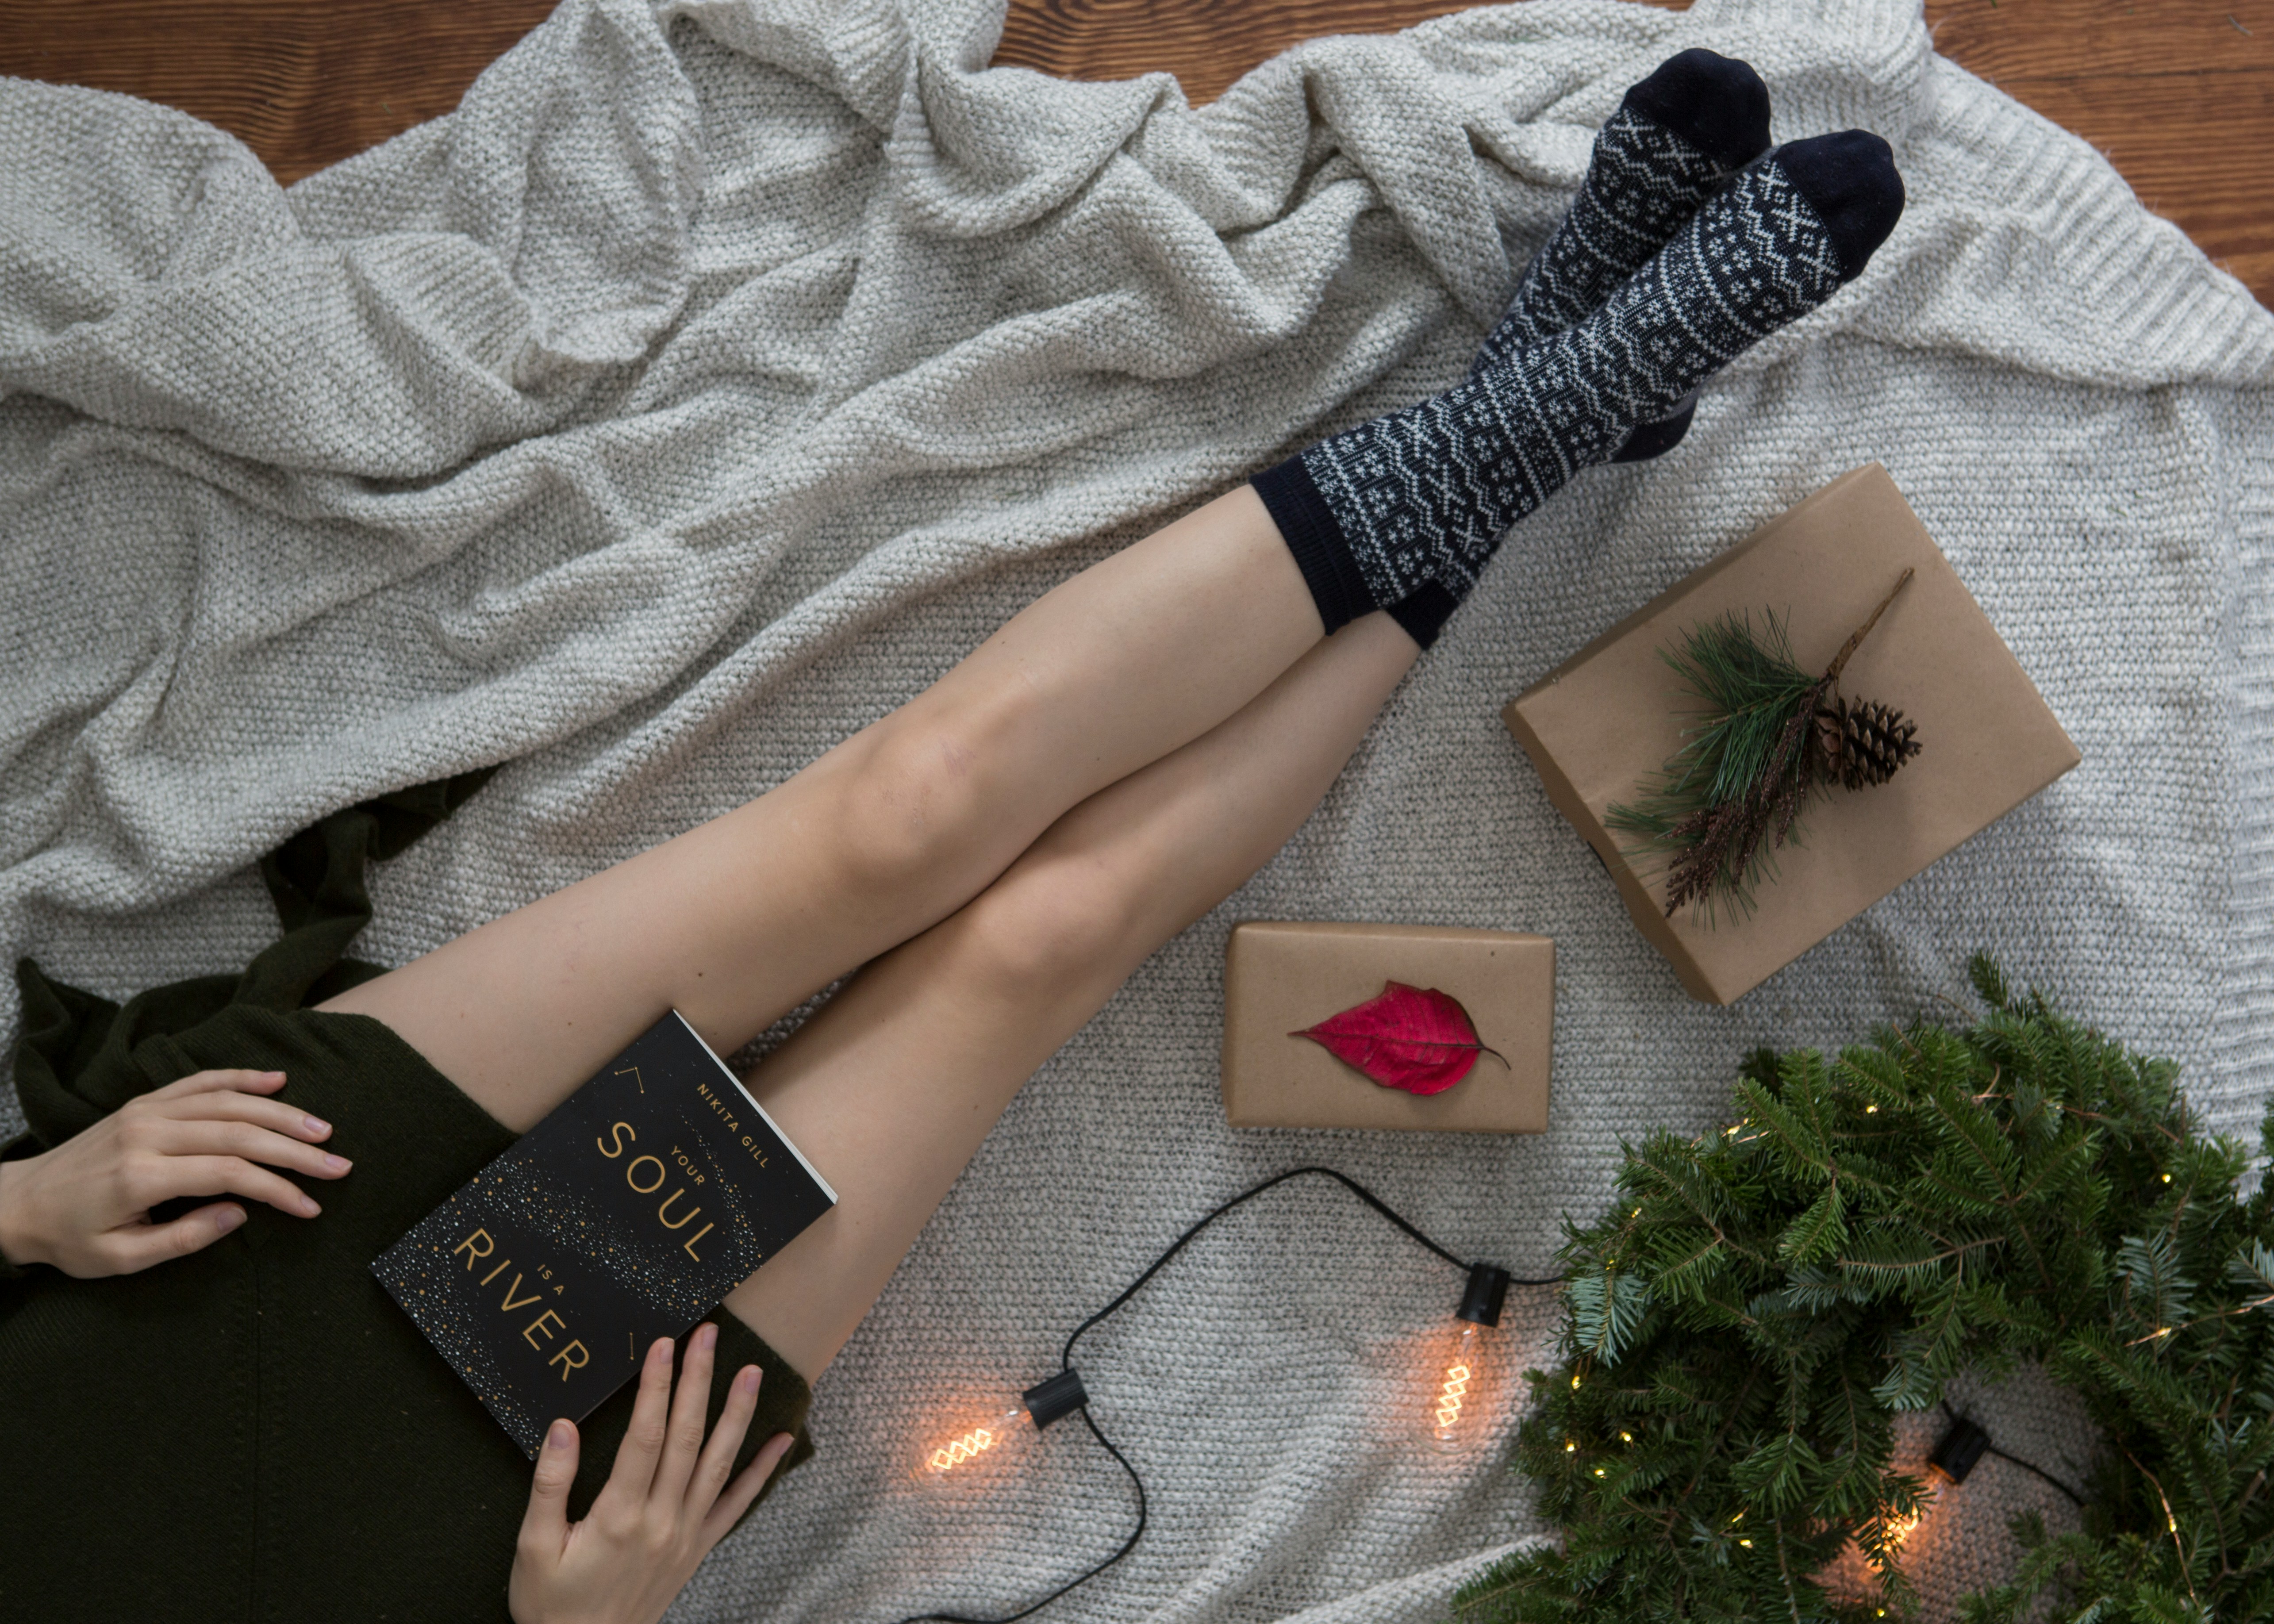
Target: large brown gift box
(1280,977)
(1602,723)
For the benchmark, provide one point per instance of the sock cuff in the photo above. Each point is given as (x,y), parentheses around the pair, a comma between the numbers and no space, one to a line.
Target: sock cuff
(1424,611)
(1314,535)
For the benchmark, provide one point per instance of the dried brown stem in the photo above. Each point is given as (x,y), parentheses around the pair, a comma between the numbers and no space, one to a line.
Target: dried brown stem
(1856,640)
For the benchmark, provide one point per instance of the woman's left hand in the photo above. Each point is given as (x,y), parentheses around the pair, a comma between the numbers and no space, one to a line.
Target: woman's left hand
(666,1501)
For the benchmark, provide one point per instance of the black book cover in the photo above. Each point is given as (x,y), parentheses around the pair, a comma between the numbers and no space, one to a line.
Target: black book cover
(627,1214)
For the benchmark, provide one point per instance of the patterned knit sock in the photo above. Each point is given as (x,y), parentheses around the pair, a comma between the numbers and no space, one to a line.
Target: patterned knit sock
(1677,136)
(1422,496)
(1696,120)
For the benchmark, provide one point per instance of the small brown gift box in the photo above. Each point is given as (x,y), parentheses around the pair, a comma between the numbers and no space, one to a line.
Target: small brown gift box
(1602,723)
(1280,977)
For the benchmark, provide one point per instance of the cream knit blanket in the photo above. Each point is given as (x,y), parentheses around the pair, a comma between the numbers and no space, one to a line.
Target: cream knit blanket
(719,372)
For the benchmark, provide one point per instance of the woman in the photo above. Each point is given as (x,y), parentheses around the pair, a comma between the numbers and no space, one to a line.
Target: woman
(251,1429)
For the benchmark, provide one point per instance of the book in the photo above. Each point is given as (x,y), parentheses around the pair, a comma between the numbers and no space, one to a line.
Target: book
(628,1214)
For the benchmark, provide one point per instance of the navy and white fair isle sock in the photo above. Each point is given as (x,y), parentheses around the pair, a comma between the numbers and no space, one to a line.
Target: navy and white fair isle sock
(1422,496)
(1677,136)
(1676,139)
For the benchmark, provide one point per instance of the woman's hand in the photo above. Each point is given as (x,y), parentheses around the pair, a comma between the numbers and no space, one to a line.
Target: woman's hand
(85,1205)
(666,1501)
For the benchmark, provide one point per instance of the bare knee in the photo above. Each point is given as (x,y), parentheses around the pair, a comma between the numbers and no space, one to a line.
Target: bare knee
(914,805)
(1050,933)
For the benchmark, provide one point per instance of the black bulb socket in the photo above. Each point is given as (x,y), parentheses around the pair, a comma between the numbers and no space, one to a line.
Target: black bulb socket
(1960,1447)
(1061,1396)
(1487,1290)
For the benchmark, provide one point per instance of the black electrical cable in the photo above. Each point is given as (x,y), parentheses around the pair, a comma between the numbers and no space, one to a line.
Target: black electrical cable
(2074,1497)
(1066,1363)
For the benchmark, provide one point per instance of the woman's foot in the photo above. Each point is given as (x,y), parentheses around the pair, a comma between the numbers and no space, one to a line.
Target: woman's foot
(1676,137)
(1424,495)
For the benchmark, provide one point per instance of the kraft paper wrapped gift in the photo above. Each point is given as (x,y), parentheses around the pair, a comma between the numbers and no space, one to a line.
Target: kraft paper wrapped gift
(1602,723)
(1281,977)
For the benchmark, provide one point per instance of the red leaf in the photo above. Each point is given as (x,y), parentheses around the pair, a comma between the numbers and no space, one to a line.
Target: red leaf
(1413,1038)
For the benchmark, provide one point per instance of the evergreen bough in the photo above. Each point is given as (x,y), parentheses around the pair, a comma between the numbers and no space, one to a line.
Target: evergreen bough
(1741,1327)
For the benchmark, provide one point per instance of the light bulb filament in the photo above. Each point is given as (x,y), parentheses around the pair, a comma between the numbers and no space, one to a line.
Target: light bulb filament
(954,1453)
(1449,1396)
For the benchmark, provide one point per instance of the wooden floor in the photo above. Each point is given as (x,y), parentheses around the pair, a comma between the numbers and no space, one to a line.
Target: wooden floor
(2179,93)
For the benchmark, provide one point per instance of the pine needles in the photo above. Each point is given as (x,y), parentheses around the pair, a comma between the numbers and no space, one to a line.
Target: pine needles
(1772,738)
(1741,1328)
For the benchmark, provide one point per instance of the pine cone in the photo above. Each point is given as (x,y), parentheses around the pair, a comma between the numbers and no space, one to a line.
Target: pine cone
(1873,741)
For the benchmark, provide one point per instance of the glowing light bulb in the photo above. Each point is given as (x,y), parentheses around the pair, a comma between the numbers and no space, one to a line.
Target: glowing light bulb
(1950,1461)
(978,1449)
(983,1450)
(1461,1374)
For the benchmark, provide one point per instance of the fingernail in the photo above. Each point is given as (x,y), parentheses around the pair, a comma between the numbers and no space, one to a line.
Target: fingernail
(747,1381)
(707,1338)
(556,1437)
(308,1206)
(315,1125)
(661,1350)
(336,1164)
(279,1076)
(227,1218)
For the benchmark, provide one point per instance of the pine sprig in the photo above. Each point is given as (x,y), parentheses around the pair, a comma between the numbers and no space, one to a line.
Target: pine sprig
(1743,1326)
(1772,739)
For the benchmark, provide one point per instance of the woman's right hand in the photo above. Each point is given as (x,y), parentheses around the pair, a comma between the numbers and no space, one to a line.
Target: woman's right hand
(85,1205)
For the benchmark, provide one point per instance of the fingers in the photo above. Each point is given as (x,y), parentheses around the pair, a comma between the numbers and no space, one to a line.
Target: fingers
(545,1525)
(634,1472)
(229,1105)
(248,1142)
(207,1082)
(690,1411)
(138,1247)
(154,1179)
(737,1499)
(726,1441)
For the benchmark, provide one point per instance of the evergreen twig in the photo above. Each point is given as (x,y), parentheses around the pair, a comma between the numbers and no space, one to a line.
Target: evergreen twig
(1770,738)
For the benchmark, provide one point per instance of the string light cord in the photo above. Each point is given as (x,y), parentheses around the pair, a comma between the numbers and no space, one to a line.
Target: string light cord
(2074,1497)
(1066,1363)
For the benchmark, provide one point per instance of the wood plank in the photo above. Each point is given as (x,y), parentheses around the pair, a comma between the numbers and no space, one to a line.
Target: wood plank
(303,85)
(2062,39)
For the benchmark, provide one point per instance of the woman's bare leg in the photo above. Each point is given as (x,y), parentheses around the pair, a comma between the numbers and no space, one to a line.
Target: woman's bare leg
(735,921)
(892,1087)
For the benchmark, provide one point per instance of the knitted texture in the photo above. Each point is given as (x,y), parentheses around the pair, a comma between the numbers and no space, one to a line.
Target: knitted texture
(712,380)
(1642,183)
(1424,494)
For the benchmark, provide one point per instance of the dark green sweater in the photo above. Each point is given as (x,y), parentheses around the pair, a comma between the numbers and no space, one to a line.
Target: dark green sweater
(256,1432)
